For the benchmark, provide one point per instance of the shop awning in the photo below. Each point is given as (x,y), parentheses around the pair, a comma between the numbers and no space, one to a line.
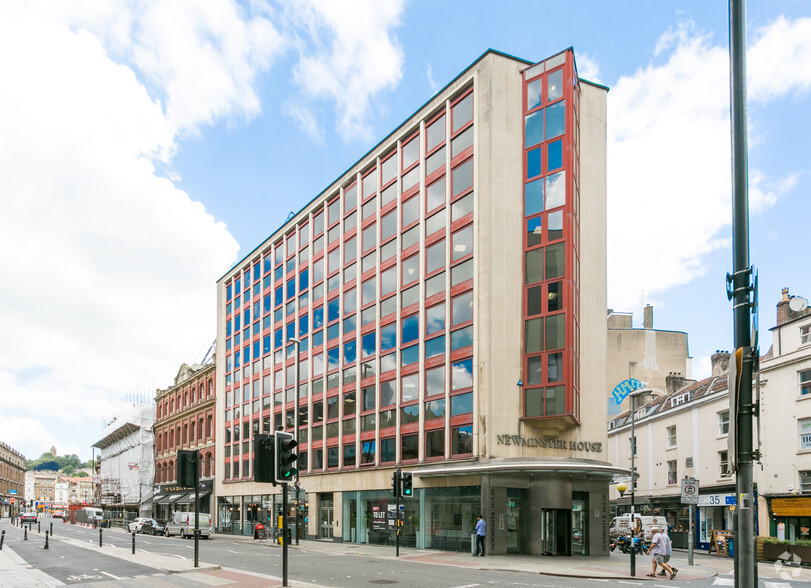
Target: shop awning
(169,498)
(189,497)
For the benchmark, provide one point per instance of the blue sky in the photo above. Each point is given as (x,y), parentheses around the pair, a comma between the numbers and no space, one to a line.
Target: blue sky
(146,147)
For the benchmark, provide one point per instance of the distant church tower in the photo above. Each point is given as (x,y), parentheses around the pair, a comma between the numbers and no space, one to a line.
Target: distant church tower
(53,450)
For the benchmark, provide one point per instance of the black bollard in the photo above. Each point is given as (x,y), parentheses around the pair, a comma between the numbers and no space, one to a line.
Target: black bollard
(46,540)
(2,538)
(99,536)
(25,534)
(52,529)
(133,543)
(38,531)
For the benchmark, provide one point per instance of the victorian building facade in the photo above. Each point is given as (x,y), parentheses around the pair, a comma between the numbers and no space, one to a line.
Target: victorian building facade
(185,419)
(12,479)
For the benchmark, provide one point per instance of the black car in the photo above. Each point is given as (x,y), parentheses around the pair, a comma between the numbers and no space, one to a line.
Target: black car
(152,527)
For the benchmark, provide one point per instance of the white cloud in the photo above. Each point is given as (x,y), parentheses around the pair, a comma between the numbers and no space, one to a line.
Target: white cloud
(669,157)
(109,270)
(779,60)
(350,57)
(588,68)
(432,83)
(306,121)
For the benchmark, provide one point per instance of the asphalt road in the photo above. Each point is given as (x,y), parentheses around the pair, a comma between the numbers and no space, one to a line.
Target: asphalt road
(72,564)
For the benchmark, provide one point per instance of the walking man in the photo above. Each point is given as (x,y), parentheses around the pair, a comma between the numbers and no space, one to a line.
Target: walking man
(480,534)
(658,549)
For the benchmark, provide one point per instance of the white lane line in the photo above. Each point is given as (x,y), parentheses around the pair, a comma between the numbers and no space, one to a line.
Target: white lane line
(113,577)
(724,582)
(777,585)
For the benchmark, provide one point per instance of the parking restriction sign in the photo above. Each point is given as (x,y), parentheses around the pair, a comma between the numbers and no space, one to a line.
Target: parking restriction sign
(689,491)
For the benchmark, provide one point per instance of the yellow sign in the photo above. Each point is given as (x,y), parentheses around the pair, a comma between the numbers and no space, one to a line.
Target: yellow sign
(791,507)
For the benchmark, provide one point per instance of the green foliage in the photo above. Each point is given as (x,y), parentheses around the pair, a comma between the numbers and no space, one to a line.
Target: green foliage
(59,463)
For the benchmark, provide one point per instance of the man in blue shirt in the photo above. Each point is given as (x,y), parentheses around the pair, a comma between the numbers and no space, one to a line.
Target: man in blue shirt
(480,533)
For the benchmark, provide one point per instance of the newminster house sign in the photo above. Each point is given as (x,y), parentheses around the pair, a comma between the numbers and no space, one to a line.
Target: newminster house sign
(549,443)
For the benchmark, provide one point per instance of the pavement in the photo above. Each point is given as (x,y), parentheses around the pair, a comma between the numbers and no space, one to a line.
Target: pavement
(16,573)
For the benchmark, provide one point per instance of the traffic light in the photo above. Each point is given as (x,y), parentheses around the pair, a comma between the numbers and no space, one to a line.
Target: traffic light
(264,459)
(12,500)
(408,481)
(186,468)
(396,490)
(285,457)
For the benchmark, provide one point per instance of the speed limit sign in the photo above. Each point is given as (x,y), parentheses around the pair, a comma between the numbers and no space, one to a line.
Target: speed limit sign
(689,491)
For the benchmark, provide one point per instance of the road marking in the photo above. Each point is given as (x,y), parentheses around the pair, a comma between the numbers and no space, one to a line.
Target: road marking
(777,585)
(113,577)
(468,586)
(724,582)
(237,552)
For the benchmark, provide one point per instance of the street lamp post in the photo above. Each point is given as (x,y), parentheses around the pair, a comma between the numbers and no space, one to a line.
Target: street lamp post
(297,343)
(633,396)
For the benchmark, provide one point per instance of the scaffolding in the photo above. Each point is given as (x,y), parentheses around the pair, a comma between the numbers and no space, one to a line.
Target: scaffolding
(110,492)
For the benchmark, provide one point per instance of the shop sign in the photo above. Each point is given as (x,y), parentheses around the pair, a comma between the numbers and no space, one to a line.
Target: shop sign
(791,507)
(716,499)
(549,443)
(805,434)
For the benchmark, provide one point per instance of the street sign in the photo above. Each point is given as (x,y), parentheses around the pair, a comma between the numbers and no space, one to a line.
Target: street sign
(727,499)
(689,491)
(624,388)
(12,491)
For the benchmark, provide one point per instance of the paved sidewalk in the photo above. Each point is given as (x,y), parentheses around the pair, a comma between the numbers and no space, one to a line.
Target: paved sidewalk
(17,573)
(616,566)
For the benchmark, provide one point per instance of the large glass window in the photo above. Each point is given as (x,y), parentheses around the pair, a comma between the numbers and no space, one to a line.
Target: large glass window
(805,382)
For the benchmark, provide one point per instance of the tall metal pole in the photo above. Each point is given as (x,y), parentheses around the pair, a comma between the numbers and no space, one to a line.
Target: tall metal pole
(284,534)
(296,420)
(633,483)
(196,509)
(745,562)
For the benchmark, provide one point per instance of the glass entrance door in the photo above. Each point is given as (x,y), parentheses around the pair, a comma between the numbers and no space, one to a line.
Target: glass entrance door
(555,532)
(579,527)
(325,506)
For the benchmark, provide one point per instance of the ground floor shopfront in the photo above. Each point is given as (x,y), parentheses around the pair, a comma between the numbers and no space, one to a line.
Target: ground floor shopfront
(786,516)
(542,509)
(715,511)
(170,498)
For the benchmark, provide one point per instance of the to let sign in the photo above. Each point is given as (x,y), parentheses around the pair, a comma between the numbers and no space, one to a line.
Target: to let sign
(689,491)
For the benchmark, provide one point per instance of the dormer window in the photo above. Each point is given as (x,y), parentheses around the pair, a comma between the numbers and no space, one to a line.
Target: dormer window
(679,400)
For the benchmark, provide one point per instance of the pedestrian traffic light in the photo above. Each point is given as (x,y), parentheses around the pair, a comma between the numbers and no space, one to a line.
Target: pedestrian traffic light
(264,459)
(408,481)
(12,501)
(187,468)
(396,490)
(286,457)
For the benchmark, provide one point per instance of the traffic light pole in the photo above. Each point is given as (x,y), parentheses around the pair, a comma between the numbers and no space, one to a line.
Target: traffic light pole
(739,289)
(196,510)
(397,523)
(284,534)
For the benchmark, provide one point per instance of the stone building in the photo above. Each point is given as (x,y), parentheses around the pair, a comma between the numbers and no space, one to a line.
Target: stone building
(12,479)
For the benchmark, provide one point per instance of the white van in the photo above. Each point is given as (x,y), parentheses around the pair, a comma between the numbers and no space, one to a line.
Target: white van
(182,523)
(621,525)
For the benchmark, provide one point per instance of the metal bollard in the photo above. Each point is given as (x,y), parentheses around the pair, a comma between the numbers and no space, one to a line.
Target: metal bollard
(2,538)
(38,531)
(25,534)
(99,536)
(46,540)
(133,543)
(52,529)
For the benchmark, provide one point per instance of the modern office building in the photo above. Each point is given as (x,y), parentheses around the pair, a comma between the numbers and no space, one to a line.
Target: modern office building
(441,309)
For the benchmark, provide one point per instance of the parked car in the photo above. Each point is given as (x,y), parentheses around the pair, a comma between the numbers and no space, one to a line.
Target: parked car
(136,524)
(28,517)
(152,527)
(58,514)
(182,523)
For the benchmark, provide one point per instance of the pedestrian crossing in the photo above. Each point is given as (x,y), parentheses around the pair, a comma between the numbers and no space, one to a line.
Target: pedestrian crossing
(719,581)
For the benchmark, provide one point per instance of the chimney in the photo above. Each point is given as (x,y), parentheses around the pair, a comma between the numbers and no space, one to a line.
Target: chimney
(648,317)
(782,308)
(720,363)
(675,382)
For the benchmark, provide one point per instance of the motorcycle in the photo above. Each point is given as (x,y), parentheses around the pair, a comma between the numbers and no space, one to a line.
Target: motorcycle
(624,543)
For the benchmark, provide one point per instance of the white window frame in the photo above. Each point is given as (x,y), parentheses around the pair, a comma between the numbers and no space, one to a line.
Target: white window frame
(805,334)
(805,481)
(672,472)
(804,430)
(671,436)
(804,384)
(723,423)
(723,464)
